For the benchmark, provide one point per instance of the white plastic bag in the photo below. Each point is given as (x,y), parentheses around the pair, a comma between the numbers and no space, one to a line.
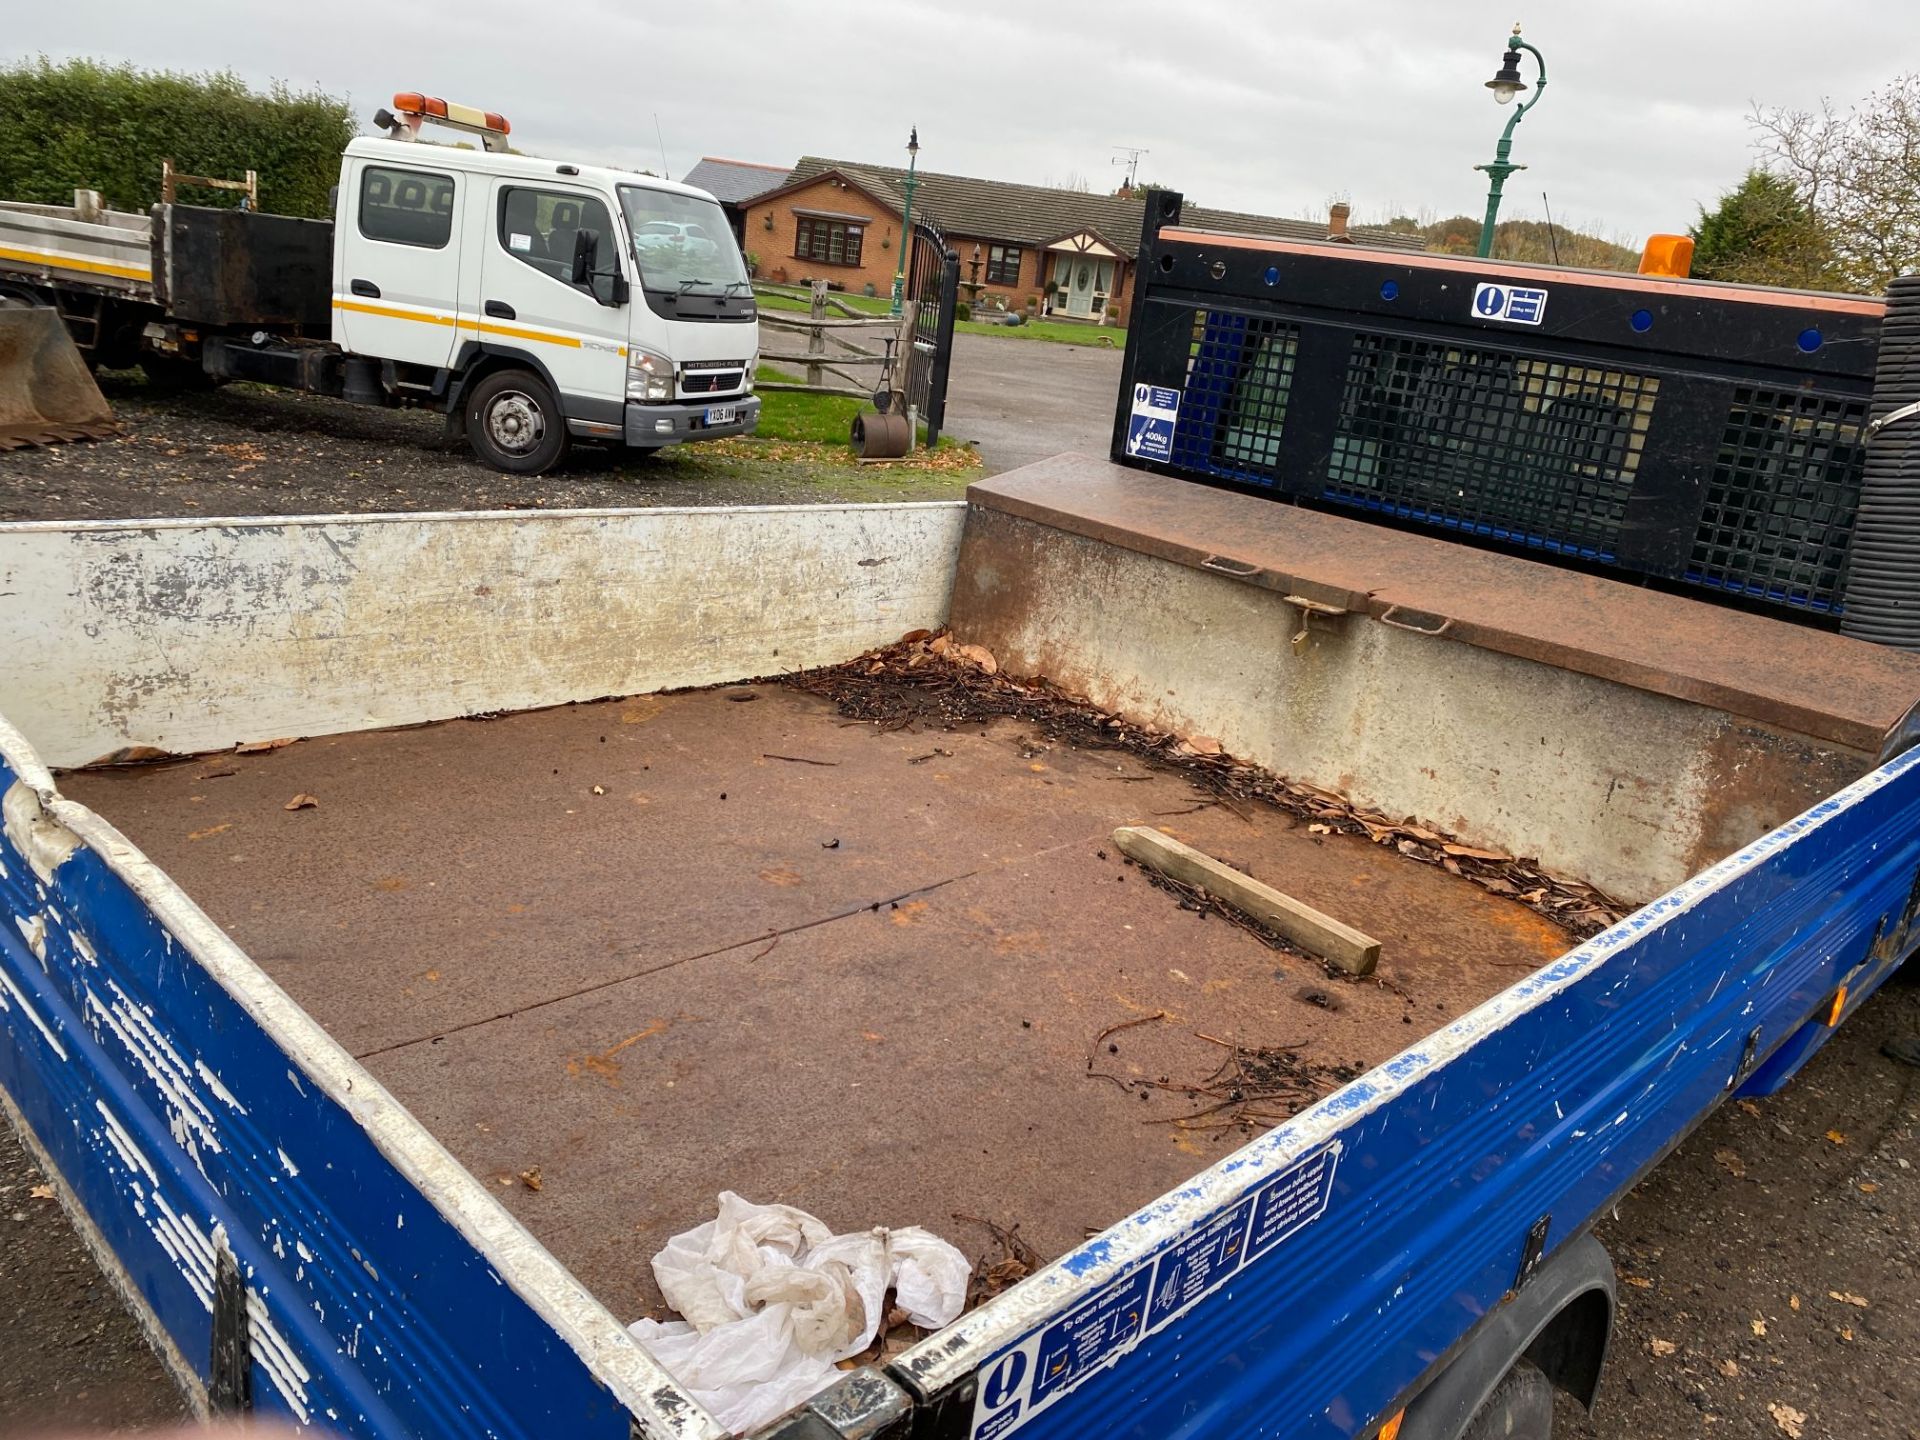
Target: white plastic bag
(771,1299)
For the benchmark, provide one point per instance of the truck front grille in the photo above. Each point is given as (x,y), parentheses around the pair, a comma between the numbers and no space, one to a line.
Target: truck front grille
(712,377)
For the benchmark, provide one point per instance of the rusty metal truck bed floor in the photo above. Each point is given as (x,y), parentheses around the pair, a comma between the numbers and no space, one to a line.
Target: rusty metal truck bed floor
(661,947)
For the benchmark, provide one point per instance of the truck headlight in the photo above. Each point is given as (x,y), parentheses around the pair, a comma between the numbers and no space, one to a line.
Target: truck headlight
(649,376)
(753,367)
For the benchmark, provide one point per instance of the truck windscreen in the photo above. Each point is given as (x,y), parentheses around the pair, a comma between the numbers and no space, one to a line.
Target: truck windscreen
(682,243)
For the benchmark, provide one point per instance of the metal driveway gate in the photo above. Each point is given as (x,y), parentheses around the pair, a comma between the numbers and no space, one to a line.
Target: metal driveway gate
(933,283)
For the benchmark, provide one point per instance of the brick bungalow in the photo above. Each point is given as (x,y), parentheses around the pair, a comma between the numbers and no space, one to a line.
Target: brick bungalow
(735,183)
(1066,251)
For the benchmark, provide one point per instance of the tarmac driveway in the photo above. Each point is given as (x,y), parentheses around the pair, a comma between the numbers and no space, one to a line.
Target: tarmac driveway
(1024,400)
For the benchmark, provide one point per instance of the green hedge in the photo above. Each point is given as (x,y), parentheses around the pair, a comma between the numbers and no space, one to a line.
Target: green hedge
(84,125)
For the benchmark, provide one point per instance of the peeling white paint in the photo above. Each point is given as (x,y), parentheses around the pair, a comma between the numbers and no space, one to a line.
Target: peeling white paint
(83,947)
(188,1116)
(34,929)
(220,1092)
(190,635)
(45,843)
(286,1163)
(12,997)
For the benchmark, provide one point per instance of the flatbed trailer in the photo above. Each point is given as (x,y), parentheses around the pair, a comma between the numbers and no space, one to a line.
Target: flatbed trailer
(289,1066)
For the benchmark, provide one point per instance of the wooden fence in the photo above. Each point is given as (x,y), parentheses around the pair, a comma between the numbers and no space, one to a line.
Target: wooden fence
(816,331)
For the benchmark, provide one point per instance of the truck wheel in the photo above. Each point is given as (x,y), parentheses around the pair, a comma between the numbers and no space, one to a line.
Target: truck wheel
(514,423)
(1520,1407)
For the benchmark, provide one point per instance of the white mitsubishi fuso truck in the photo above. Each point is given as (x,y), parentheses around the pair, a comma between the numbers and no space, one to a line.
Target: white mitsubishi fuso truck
(534,302)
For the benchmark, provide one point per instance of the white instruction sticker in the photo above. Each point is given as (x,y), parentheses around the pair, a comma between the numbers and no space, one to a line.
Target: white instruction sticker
(1150,427)
(519,242)
(1515,304)
(1077,1344)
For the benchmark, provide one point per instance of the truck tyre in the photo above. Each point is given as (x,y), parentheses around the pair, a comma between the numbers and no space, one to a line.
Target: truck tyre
(1520,1407)
(514,423)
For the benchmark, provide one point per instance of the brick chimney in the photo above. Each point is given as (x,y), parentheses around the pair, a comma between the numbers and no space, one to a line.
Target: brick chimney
(1337,222)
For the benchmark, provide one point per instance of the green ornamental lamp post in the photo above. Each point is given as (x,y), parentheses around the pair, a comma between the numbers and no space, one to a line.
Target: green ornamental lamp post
(906,224)
(1506,84)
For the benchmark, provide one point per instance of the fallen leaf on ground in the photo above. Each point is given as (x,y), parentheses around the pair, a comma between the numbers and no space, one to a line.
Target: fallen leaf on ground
(1730,1161)
(1867,1187)
(210,830)
(1846,1298)
(531,1178)
(1729,1369)
(599,789)
(1846,1332)
(1749,1107)
(1793,1302)
(41,1192)
(1472,852)
(1639,1282)
(978,655)
(1788,1418)
(1662,1347)
(255,747)
(1836,1137)
(1204,744)
(1759,1326)
(1318,829)
(302,801)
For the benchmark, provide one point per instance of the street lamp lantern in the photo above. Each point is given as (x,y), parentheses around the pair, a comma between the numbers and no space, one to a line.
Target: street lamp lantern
(906,224)
(1506,82)
(1506,86)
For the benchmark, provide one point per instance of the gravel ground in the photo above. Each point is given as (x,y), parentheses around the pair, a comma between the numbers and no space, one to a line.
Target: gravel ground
(249,450)
(70,1355)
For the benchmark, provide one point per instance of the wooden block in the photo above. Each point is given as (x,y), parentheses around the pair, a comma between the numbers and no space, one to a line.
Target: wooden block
(1340,944)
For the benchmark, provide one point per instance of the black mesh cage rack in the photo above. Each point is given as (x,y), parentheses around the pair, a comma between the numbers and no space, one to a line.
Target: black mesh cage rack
(1693,434)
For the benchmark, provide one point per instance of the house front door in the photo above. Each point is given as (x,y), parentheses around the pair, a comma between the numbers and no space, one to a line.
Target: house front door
(1087,280)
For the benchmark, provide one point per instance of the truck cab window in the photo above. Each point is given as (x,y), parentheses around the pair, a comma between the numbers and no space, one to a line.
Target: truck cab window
(537,228)
(682,243)
(406,207)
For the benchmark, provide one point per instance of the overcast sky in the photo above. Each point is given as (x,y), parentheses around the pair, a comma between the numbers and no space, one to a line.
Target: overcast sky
(1272,108)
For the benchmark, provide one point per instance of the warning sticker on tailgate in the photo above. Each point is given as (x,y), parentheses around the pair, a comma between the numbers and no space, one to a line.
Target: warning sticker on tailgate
(1053,1361)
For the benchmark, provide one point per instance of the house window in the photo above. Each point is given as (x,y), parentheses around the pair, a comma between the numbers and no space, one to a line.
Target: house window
(1003,265)
(827,242)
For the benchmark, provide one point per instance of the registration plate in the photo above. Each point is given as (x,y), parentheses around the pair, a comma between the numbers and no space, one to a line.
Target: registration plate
(722,414)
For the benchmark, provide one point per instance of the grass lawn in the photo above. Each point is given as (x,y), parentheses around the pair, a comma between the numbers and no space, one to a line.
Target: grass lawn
(1060,332)
(802,451)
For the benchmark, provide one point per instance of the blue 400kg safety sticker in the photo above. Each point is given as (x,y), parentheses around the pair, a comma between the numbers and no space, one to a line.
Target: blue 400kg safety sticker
(1050,1363)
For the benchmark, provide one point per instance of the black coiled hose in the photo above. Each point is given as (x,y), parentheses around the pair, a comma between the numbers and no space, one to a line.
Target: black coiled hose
(1883,576)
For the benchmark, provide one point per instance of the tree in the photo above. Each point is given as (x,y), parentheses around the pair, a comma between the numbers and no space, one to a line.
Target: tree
(1858,173)
(84,125)
(1763,233)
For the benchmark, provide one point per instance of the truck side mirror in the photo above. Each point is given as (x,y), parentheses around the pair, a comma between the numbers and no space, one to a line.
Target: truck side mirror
(585,243)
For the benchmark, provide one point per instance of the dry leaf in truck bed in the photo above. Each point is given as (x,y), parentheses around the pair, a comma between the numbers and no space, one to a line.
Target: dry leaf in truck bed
(302,801)
(41,1192)
(1788,1419)
(531,1178)
(978,655)
(1662,1347)
(1846,1298)
(255,747)
(1836,1137)
(1730,1161)
(1759,1326)
(1729,1369)
(1474,852)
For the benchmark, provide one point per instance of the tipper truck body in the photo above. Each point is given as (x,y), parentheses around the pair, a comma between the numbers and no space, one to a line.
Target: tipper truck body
(415,920)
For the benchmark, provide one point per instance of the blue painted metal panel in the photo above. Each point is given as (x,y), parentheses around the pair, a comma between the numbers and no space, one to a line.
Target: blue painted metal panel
(180,1124)
(1551,1100)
